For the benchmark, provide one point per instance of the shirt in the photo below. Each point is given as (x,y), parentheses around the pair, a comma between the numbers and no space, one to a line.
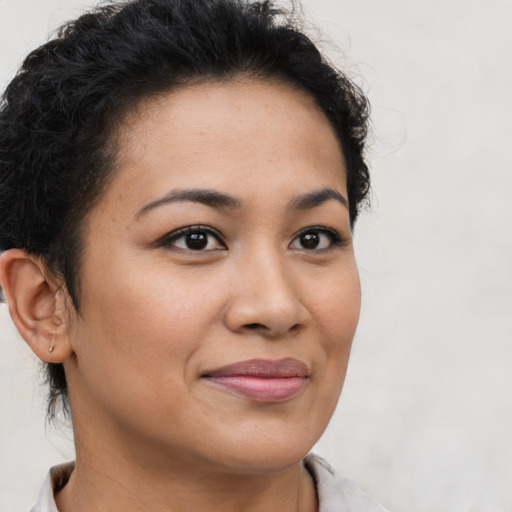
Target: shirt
(335,494)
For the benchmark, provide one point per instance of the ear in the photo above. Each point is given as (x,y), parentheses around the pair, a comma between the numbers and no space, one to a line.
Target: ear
(37,305)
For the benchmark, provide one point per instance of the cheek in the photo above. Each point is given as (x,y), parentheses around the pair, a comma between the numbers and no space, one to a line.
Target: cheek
(337,315)
(137,341)
(337,309)
(147,323)
(154,298)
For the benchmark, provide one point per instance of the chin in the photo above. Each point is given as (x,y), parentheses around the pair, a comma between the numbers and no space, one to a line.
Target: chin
(266,452)
(274,459)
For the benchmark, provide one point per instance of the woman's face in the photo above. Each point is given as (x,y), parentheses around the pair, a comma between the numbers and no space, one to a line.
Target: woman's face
(220,294)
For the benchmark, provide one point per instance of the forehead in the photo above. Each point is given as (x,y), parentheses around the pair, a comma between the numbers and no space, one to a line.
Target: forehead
(238,134)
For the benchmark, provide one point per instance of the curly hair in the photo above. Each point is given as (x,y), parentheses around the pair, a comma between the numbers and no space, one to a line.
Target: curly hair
(59,115)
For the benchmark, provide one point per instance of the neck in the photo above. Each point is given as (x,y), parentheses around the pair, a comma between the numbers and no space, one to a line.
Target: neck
(108,478)
(102,489)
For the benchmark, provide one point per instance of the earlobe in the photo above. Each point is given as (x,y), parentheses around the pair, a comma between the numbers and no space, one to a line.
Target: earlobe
(36,304)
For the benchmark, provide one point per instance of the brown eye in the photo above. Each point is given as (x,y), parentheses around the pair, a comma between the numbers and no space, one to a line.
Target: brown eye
(196,241)
(194,238)
(310,240)
(316,239)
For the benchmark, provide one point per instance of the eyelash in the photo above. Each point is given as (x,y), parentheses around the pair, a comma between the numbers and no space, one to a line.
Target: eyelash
(335,239)
(172,238)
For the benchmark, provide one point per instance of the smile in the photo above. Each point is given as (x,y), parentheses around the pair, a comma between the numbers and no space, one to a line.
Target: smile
(261,380)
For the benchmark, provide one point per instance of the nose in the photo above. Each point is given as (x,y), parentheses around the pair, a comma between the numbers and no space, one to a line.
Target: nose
(265,298)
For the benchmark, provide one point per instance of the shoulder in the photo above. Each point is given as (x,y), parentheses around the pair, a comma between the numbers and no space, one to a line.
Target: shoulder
(335,492)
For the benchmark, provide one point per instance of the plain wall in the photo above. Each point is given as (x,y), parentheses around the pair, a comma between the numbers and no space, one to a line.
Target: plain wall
(425,419)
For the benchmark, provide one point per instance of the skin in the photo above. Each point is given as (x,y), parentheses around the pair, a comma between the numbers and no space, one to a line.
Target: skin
(151,432)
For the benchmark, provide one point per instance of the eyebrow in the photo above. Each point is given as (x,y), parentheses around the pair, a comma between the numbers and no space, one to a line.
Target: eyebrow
(217,199)
(316,198)
(204,196)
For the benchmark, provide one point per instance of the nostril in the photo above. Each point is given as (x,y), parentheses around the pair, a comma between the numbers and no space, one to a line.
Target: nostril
(257,326)
(295,328)
(254,326)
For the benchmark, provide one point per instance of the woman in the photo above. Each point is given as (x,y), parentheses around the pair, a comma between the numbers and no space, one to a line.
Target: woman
(180,180)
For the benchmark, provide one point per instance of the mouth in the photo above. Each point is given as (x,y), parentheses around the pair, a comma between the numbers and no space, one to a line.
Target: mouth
(261,380)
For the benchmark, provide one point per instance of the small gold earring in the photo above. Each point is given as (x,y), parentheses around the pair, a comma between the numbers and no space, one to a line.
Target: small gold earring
(51,349)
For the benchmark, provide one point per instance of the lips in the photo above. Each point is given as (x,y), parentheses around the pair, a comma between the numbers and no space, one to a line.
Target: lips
(261,380)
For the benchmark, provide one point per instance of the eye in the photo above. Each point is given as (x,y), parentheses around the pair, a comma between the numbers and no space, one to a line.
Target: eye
(316,239)
(194,238)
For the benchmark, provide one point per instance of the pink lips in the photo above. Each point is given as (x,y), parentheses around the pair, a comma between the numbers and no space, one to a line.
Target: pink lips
(261,380)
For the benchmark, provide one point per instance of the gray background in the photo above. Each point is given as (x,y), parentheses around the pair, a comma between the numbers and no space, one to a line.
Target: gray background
(425,419)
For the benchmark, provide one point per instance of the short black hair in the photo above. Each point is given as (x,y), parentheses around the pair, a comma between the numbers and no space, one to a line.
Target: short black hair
(59,115)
